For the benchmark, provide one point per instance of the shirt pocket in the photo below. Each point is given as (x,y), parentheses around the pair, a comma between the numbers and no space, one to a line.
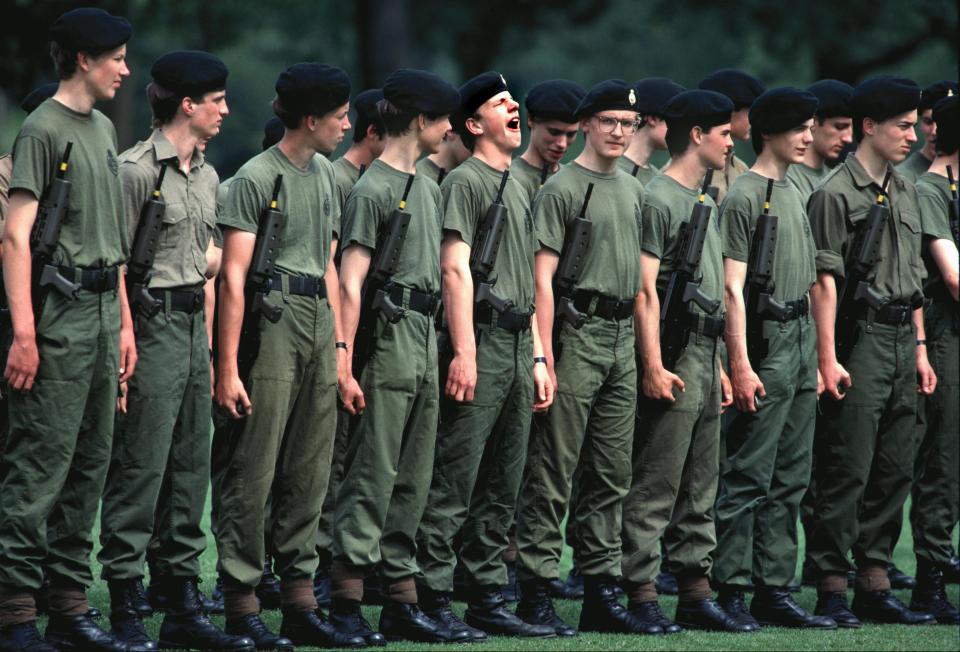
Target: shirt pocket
(176,252)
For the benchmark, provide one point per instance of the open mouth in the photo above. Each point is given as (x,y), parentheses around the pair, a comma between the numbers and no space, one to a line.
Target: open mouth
(514,124)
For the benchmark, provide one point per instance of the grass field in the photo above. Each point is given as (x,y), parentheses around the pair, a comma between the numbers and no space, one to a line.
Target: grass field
(870,637)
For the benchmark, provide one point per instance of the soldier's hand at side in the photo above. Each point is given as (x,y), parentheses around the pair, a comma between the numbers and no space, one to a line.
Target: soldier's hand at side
(128,353)
(658,384)
(926,377)
(836,377)
(726,391)
(461,378)
(746,387)
(122,398)
(820,384)
(230,394)
(542,388)
(22,363)
(351,395)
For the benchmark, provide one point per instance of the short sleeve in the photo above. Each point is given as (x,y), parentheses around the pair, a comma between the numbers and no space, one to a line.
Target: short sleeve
(243,206)
(654,231)
(549,218)
(828,222)
(32,165)
(460,213)
(361,221)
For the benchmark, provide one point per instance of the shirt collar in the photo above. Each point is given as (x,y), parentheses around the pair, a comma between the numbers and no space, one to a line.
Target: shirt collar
(164,151)
(859,174)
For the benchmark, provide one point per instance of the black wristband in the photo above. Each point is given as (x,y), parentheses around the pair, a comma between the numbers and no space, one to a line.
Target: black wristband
(921,342)
(539,358)
(340,345)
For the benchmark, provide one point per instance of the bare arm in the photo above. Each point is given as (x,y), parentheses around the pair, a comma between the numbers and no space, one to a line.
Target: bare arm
(23,360)
(128,343)
(746,383)
(545,265)
(944,253)
(927,379)
(823,300)
(237,254)
(658,383)
(458,308)
(354,267)
(347,385)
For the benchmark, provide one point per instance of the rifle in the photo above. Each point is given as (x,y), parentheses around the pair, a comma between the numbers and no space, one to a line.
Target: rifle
(684,286)
(375,297)
(758,290)
(954,207)
(441,175)
(483,254)
(544,173)
(140,268)
(636,169)
(363,168)
(856,285)
(46,234)
(574,253)
(257,287)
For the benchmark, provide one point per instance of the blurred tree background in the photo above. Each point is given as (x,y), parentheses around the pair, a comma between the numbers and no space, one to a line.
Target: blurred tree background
(527,40)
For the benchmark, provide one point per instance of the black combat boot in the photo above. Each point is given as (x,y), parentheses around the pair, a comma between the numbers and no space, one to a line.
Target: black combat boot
(251,626)
(884,607)
(602,612)
(436,604)
(836,607)
(899,579)
(139,600)
(307,627)
(487,611)
(707,614)
(951,574)
(650,615)
(268,590)
(571,589)
(23,637)
(930,596)
(80,633)
(125,620)
(776,608)
(732,600)
(401,621)
(347,619)
(536,608)
(186,626)
(666,583)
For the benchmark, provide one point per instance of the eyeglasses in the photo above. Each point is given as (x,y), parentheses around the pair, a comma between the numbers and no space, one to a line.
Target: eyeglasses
(608,125)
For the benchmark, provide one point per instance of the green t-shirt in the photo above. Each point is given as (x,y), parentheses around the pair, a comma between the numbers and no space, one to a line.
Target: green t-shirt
(6,167)
(528,176)
(94,229)
(840,205)
(308,200)
(346,176)
(643,174)
(467,193)
(222,192)
(805,178)
(933,195)
(612,263)
(794,263)
(913,166)
(667,205)
(428,169)
(370,205)
(190,215)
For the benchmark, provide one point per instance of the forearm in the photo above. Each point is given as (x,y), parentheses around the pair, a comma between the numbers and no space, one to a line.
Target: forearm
(823,304)
(648,316)
(735,334)
(538,348)
(209,306)
(332,281)
(543,300)
(458,306)
(126,317)
(232,305)
(918,324)
(17,274)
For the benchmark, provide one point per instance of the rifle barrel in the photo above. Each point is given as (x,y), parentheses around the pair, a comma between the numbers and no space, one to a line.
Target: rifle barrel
(707,178)
(586,200)
(406,192)
(503,185)
(766,201)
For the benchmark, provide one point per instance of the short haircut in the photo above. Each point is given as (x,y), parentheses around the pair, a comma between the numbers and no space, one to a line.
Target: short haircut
(678,136)
(290,119)
(756,140)
(164,103)
(396,119)
(361,126)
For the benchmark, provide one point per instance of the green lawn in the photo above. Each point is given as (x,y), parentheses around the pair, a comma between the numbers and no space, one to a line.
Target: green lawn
(871,637)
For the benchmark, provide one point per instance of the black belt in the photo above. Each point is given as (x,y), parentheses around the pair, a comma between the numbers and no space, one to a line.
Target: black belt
(188,300)
(609,308)
(301,286)
(705,324)
(92,279)
(894,314)
(423,302)
(509,320)
(795,309)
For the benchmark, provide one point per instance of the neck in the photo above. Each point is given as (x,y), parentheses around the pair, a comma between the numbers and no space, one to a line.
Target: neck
(640,149)
(812,158)
(73,94)
(687,169)
(402,153)
(358,155)
(591,160)
(872,162)
(771,166)
(929,151)
(939,165)
(533,157)
(179,134)
(296,146)
(491,154)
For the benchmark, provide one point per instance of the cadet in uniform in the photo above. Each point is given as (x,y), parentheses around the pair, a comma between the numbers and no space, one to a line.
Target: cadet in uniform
(390,448)
(452,153)
(653,94)
(160,471)
(676,450)
(773,373)
(553,129)
(590,424)
(866,448)
(920,159)
(832,131)
(489,375)
(63,368)
(936,494)
(742,89)
(281,443)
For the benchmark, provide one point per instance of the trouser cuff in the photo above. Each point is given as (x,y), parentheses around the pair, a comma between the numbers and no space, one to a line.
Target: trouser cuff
(642,592)
(693,588)
(346,582)
(297,593)
(832,583)
(403,591)
(16,606)
(872,577)
(239,600)
(67,601)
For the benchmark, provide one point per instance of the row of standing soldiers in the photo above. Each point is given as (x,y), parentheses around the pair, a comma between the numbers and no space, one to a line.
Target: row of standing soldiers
(511,340)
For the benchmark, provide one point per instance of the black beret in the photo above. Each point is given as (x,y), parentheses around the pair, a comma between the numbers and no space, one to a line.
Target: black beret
(421,91)
(703,108)
(884,97)
(740,87)
(365,104)
(555,99)
(609,95)
(37,96)
(480,89)
(653,93)
(90,30)
(272,132)
(189,73)
(936,92)
(946,113)
(781,109)
(833,97)
(312,88)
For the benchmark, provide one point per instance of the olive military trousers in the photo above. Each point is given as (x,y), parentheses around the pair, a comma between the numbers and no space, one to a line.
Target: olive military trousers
(481,448)
(328,513)
(769,453)
(589,426)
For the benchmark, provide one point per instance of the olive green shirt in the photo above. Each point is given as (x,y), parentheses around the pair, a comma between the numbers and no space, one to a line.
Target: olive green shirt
(795,254)
(840,205)
(222,193)
(933,195)
(528,176)
(612,264)
(468,192)
(308,200)
(369,207)
(644,173)
(913,166)
(666,206)
(190,215)
(94,229)
(6,168)
(723,179)
(428,169)
(805,178)
(346,176)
